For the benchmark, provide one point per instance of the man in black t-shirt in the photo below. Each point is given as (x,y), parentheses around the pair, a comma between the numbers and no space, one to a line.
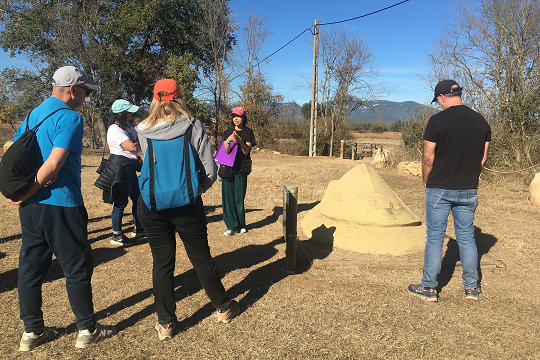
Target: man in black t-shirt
(456,143)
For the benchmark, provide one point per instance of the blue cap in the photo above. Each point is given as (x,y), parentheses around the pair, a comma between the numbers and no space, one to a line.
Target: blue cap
(121,105)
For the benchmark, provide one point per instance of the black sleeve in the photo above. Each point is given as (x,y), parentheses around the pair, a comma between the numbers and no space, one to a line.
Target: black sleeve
(250,137)
(227,133)
(431,132)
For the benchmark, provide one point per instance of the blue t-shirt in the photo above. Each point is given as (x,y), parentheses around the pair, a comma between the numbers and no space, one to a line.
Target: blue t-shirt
(63,130)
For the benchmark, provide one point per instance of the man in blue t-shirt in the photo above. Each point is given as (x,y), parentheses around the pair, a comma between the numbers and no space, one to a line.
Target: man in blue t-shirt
(53,217)
(456,143)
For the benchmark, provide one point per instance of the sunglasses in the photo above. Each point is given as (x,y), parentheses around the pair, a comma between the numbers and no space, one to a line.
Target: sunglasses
(88,90)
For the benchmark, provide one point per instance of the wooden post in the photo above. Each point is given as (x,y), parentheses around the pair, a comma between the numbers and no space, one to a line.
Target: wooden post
(314,93)
(353,151)
(290,208)
(342,144)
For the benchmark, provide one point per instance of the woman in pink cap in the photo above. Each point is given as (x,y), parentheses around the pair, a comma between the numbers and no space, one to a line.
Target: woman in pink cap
(234,184)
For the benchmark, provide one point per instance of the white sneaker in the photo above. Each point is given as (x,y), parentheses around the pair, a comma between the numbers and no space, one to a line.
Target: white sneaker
(230,232)
(243,230)
(86,338)
(30,340)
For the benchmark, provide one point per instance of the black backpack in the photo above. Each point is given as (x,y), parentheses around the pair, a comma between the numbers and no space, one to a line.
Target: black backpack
(21,162)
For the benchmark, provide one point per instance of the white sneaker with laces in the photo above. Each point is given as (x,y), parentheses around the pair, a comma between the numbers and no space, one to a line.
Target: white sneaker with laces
(243,230)
(30,340)
(230,232)
(86,338)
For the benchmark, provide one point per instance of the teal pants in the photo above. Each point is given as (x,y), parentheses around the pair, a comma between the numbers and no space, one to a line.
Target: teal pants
(233,193)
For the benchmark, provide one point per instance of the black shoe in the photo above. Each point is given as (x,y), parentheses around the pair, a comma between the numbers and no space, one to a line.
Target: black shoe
(121,240)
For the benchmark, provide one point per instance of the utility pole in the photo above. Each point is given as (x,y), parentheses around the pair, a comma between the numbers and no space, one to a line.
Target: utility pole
(314,91)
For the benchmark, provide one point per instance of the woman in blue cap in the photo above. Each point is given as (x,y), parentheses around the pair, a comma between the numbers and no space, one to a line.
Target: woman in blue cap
(124,147)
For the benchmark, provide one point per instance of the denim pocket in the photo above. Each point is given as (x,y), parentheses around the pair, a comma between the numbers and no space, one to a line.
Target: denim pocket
(472,202)
(435,198)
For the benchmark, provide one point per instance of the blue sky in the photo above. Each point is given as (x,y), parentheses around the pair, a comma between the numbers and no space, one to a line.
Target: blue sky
(400,38)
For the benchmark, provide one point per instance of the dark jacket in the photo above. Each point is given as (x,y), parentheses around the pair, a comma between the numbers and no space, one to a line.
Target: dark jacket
(111,176)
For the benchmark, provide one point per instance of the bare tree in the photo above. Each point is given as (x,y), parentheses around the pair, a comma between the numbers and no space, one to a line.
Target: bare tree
(349,77)
(492,51)
(218,27)
(257,96)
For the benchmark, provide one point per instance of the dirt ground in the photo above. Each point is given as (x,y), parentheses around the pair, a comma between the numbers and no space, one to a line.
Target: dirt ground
(362,312)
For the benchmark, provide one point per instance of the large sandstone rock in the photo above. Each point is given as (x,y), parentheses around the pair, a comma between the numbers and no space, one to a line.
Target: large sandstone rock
(379,159)
(410,168)
(534,187)
(360,212)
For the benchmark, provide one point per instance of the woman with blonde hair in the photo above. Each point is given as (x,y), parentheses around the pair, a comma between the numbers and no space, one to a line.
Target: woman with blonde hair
(168,120)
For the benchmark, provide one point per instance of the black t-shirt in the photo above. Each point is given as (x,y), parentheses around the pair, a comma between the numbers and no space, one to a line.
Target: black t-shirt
(247,136)
(460,134)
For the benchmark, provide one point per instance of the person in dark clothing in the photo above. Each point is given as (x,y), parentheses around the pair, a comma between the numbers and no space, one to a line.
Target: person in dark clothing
(456,143)
(167,121)
(233,190)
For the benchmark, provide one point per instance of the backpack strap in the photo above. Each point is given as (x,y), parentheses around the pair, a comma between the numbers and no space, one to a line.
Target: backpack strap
(187,162)
(41,122)
(151,183)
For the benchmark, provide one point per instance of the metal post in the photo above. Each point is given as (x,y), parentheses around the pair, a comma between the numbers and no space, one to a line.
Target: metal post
(314,91)
(342,143)
(290,208)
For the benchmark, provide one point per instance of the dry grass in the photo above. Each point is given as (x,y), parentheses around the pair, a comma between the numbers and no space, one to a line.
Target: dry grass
(322,313)
(385,135)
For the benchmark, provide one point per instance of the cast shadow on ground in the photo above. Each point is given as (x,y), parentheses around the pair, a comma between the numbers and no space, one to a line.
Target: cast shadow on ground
(484,242)
(256,284)
(321,243)
(126,227)
(18,236)
(306,207)
(10,238)
(219,217)
(8,279)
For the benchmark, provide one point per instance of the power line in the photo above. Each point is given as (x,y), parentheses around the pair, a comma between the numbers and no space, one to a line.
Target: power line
(359,17)
(312,32)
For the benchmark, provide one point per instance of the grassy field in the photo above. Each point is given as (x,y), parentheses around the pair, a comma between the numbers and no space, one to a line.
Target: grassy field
(361,312)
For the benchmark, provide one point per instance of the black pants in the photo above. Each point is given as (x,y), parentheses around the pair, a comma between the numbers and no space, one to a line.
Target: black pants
(190,223)
(62,231)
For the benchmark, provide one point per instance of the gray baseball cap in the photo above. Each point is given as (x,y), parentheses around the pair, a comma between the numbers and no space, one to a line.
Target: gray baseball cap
(70,75)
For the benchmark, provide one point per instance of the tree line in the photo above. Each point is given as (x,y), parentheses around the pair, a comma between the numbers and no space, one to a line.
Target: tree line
(125,46)
(489,47)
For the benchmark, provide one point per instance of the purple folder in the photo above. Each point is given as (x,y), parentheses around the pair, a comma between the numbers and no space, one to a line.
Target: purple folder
(223,158)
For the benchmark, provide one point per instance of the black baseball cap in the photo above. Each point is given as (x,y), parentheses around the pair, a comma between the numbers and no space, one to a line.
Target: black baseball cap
(445,87)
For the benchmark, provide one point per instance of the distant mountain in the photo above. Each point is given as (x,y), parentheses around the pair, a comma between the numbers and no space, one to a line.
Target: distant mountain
(389,111)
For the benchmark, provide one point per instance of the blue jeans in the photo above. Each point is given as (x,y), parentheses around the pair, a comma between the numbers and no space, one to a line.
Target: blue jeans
(62,231)
(439,203)
(129,188)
